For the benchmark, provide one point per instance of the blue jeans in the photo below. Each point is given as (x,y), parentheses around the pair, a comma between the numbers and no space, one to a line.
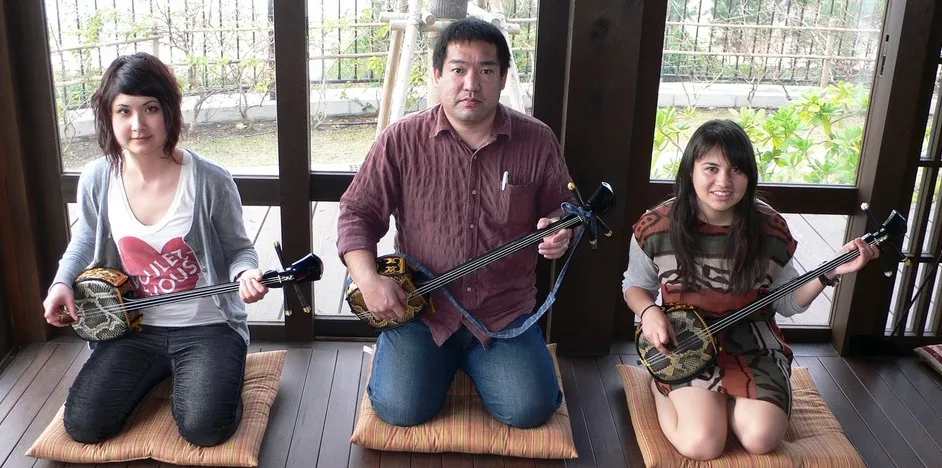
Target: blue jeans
(207,364)
(411,375)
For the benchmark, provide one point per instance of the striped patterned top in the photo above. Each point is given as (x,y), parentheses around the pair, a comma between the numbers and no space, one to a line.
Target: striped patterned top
(653,266)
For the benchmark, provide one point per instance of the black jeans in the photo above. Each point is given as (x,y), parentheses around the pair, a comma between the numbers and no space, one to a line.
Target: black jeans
(207,364)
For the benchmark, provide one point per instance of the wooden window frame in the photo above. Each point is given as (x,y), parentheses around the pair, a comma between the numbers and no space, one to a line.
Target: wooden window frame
(604,124)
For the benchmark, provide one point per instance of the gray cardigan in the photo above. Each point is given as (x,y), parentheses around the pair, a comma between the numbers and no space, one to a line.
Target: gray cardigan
(217,235)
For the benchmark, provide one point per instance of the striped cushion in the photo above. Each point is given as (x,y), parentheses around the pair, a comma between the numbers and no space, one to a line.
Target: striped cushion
(814,437)
(464,425)
(932,354)
(152,432)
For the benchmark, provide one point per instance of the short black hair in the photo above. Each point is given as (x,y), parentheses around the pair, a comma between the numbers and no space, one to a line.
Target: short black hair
(140,74)
(468,30)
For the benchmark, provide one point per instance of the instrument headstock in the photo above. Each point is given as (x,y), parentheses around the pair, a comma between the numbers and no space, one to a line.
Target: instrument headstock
(308,268)
(602,200)
(891,229)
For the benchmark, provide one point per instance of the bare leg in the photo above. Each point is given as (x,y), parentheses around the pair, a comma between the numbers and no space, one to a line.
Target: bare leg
(694,421)
(759,425)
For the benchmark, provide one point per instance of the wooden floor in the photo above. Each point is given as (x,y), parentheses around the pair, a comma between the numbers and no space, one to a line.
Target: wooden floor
(889,408)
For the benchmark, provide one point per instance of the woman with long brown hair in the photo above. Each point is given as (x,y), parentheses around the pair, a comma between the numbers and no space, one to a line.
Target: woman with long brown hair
(715,245)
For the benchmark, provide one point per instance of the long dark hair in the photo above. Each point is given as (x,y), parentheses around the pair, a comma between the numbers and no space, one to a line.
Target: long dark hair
(140,74)
(745,251)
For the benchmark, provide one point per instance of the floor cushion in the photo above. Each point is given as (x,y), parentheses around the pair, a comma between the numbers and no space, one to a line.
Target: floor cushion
(464,425)
(814,437)
(152,431)
(932,354)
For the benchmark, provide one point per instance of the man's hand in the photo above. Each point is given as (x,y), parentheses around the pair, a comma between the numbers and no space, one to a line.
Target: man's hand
(384,298)
(553,246)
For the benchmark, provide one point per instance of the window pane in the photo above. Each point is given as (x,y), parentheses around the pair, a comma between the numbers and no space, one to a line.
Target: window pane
(349,53)
(796,75)
(819,238)
(329,291)
(263,226)
(221,52)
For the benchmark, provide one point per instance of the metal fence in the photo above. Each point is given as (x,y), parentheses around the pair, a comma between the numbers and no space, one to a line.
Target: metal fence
(801,42)
(228,46)
(219,46)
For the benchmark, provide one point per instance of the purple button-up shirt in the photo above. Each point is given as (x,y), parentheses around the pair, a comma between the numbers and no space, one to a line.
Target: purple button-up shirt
(450,205)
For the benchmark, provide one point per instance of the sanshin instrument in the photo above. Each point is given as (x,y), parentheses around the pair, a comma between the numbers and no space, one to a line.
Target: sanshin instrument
(696,348)
(419,286)
(107,310)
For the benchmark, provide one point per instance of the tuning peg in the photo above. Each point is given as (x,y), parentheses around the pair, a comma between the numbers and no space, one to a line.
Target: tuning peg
(572,188)
(297,290)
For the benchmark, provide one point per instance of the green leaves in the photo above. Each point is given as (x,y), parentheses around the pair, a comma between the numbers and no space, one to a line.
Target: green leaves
(814,139)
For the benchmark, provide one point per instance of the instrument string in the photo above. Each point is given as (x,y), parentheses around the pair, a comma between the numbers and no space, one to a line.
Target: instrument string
(780,292)
(502,252)
(134,304)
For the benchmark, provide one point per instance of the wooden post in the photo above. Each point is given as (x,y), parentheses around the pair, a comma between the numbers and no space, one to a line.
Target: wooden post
(400,90)
(389,75)
(514,91)
(828,52)
(449,9)
(431,98)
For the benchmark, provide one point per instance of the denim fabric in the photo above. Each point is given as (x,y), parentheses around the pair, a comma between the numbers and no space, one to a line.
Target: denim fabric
(207,364)
(411,375)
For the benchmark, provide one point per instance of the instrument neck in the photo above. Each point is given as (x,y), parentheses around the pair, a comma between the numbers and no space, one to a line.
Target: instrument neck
(787,288)
(197,293)
(470,266)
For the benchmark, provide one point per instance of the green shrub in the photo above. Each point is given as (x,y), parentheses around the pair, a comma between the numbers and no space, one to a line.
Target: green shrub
(814,139)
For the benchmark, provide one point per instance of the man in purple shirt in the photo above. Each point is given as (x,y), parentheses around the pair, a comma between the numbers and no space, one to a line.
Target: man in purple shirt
(461,179)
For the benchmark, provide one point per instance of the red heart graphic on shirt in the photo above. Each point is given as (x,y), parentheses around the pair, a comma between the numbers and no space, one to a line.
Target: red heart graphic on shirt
(174,268)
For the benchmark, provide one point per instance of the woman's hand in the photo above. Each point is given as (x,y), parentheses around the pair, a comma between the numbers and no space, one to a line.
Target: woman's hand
(867,253)
(250,287)
(657,329)
(59,306)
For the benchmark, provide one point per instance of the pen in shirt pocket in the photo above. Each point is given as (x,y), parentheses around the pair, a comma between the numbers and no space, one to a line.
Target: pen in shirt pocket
(503,182)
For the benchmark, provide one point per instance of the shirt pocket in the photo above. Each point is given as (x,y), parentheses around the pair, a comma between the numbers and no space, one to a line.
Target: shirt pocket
(516,208)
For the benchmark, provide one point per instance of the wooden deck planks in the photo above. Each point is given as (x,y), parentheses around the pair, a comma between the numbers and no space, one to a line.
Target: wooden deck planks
(284,412)
(606,444)
(341,410)
(312,412)
(886,407)
(17,457)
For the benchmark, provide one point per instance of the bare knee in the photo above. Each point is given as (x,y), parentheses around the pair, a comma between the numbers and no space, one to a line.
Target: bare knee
(701,444)
(759,440)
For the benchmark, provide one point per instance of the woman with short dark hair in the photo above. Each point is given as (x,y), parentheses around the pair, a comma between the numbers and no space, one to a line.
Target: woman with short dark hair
(172,221)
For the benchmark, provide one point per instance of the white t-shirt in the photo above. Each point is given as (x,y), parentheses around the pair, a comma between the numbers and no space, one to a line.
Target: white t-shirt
(156,257)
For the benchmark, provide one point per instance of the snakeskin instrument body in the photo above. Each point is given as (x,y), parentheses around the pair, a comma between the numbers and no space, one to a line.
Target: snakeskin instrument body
(695,355)
(99,300)
(397,268)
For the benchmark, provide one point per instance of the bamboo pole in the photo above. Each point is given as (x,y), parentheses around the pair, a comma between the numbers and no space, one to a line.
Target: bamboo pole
(401,88)
(389,75)
(432,87)
(512,85)
(439,25)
